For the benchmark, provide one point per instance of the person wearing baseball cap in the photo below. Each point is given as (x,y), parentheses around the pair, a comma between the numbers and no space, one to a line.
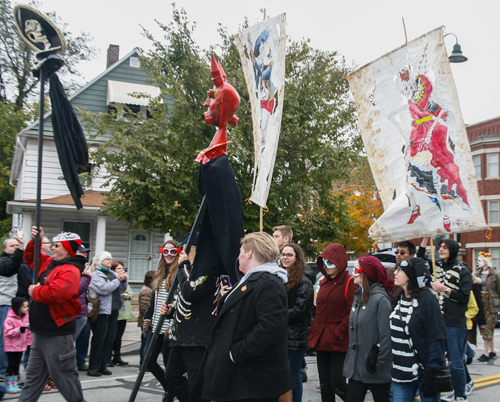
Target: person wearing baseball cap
(53,350)
(369,333)
(418,335)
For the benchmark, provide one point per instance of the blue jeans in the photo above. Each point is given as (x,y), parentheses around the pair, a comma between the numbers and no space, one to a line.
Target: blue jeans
(469,352)
(82,345)
(3,356)
(295,358)
(455,346)
(406,392)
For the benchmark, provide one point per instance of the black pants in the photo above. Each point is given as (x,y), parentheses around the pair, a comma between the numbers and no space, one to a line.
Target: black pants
(14,359)
(356,391)
(120,330)
(161,345)
(331,379)
(103,338)
(185,360)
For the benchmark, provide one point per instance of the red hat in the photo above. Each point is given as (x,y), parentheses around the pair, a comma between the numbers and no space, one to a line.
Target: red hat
(374,269)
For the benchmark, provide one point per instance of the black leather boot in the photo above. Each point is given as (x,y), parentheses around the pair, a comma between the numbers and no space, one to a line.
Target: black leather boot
(117,359)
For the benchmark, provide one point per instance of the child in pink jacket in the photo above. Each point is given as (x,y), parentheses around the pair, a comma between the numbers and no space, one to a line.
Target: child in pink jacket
(17,338)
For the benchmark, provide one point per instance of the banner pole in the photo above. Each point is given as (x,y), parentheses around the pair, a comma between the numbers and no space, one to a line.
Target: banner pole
(433,262)
(261,219)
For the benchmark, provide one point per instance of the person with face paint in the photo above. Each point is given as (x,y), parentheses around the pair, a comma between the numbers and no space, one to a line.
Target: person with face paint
(368,365)
(418,335)
(329,332)
(489,279)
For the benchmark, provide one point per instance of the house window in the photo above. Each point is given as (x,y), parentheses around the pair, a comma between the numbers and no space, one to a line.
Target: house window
(82,229)
(477,165)
(140,254)
(493,216)
(492,160)
(134,62)
(495,253)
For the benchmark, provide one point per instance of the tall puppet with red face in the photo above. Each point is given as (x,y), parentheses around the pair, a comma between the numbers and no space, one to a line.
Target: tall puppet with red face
(223,101)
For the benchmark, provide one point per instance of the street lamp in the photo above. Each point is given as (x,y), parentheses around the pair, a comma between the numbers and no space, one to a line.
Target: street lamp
(456,55)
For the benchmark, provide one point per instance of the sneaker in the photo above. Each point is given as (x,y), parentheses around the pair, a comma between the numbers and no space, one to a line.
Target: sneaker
(461,399)
(483,358)
(447,396)
(492,355)
(47,387)
(83,367)
(469,387)
(51,383)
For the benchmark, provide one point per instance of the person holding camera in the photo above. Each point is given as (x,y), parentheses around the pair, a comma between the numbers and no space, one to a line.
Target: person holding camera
(106,285)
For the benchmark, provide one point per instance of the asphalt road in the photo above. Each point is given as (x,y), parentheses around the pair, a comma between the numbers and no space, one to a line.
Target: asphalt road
(118,386)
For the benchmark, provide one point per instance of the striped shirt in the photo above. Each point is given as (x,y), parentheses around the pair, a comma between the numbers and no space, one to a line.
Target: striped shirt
(161,295)
(405,366)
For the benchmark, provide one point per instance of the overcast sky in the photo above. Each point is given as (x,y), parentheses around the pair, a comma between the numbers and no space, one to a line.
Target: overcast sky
(360,30)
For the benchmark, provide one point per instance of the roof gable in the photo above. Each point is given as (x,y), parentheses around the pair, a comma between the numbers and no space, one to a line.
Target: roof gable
(93,96)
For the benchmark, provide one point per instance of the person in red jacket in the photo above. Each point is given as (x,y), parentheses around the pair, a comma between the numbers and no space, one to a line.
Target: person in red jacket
(329,332)
(52,314)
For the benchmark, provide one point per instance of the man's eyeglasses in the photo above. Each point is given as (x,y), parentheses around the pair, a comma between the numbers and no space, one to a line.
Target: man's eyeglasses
(400,252)
(170,251)
(287,255)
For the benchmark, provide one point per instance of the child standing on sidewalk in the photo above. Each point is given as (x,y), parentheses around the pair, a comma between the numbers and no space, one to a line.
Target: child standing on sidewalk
(17,338)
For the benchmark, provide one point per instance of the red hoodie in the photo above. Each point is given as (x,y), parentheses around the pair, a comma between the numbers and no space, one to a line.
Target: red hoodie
(329,331)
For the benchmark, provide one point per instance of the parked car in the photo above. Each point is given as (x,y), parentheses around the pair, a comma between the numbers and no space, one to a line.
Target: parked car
(386,255)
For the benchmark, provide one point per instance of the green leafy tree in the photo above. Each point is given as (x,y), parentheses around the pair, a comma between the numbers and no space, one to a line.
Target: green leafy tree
(152,175)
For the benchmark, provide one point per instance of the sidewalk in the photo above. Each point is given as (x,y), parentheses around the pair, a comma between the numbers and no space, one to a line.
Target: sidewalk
(131,341)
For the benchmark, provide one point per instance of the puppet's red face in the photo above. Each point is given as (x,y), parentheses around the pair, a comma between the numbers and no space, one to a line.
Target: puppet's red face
(222,103)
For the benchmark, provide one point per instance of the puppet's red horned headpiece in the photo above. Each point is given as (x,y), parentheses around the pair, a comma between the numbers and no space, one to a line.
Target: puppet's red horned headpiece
(223,101)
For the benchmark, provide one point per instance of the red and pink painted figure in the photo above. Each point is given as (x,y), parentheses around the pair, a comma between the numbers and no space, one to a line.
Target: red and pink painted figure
(223,101)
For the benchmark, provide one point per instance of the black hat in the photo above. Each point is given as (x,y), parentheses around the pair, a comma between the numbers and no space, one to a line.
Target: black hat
(17,302)
(417,271)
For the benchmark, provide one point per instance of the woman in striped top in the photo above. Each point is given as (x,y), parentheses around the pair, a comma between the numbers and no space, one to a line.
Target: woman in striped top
(167,268)
(418,335)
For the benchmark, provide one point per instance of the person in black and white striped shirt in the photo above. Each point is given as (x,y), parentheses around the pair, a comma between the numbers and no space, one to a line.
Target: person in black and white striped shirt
(167,269)
(418,335)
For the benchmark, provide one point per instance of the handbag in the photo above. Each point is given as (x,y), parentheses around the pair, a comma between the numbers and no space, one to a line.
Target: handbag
(94,311)
(443,379)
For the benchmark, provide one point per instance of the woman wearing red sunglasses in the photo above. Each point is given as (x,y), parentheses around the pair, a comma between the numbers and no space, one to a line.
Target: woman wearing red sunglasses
(167,268)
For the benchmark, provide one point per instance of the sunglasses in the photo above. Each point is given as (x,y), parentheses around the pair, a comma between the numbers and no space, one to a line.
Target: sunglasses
(170,251)
(400,252)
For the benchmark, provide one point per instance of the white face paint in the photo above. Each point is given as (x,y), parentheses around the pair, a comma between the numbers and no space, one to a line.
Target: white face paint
(480,262)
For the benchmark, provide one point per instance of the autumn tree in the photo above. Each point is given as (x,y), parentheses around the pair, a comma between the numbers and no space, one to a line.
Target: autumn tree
(152,175)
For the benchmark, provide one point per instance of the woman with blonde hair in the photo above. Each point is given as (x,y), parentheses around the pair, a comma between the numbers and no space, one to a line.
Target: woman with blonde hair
(489,279)
(167,268)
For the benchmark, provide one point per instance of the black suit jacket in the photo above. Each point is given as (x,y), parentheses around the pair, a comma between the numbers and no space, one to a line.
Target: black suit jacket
(252,325)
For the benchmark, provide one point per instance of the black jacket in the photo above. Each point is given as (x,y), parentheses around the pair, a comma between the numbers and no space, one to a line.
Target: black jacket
(252,325)
(300,303)
(195,303)
(459,279)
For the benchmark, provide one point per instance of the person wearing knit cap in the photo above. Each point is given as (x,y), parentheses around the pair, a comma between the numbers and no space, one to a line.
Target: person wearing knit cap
(329,332)
(418,336)
(369,327)
(53,348)
(107,286)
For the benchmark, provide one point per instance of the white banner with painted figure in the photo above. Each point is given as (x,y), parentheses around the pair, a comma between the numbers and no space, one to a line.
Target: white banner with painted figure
(416,142)
(262,50)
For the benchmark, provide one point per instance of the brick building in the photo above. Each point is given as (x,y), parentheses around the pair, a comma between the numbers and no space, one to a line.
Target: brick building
(484,140)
